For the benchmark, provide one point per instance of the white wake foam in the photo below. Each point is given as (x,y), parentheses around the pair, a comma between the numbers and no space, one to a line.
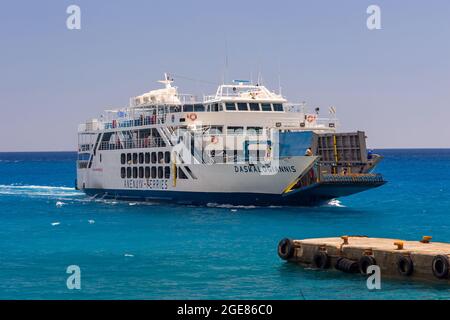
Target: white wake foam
(336,203)
(229,206)
(38,191)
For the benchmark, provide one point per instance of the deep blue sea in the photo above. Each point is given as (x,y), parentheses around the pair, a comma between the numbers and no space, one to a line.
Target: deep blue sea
(152,251)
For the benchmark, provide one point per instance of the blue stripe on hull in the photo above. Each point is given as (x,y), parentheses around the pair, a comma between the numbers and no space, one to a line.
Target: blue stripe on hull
(202,198)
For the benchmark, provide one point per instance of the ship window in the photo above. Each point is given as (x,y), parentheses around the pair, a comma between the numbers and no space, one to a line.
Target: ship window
(141,172)
(174,109)
(153,171)
(135,158)
(215,107)
(254,106)
(160,157)
(100,157)
(129,158)
(277,107)
(230,106)
(122,158)
(147,157)
(147,172)
(242,106)
(160,172)
(167,157)
(153,157)
(141,158)
(123,172)
(240,156)
(266,107)
(135,172)
(199,108)
(188,108)
(254,130)
(235,130)
(215,130)
(167,172)
(129,172)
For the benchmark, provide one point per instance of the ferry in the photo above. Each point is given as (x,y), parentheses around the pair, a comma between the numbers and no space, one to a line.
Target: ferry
(244,145)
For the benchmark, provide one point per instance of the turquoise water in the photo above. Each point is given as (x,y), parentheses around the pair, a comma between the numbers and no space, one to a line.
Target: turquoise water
(152,251)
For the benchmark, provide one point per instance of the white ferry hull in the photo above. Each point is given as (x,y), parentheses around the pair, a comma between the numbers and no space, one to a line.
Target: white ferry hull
(215,183)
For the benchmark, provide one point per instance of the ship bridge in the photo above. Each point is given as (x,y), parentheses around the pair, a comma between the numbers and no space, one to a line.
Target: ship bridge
(242,90)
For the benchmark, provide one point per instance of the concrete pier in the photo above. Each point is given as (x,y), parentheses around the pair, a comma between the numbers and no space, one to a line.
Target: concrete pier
(421,259)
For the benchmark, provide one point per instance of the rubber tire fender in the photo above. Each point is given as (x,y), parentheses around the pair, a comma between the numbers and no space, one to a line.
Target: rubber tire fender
(440,267)
(321,260)
(364,262)
(286,249)
(347,265)
(405,265)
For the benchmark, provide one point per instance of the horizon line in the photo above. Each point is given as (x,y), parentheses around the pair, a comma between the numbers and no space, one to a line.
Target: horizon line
(376,148)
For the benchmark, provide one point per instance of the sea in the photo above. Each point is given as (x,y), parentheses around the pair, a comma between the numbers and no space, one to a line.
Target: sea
(132,250)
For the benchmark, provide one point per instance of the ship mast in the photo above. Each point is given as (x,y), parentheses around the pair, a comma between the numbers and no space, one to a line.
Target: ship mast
(167,81)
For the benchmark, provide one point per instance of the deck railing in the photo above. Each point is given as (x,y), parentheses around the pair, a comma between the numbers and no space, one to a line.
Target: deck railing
(133,144)
(352,178)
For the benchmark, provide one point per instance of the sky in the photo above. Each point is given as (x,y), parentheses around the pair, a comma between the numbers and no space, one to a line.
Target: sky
(392,83)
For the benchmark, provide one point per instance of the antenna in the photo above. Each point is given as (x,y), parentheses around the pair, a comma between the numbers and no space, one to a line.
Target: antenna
(279,78)
(279,84)
(225,75)
(259,79)
(167,81)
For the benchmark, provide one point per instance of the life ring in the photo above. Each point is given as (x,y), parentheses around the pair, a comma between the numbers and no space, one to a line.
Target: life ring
(321,260)
(405,265)
(365,262)
(214,139)
(310,118)
(440,267)
(286,249)
(193,116)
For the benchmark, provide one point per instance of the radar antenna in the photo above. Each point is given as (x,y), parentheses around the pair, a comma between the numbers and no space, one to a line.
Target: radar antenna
(167,81)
